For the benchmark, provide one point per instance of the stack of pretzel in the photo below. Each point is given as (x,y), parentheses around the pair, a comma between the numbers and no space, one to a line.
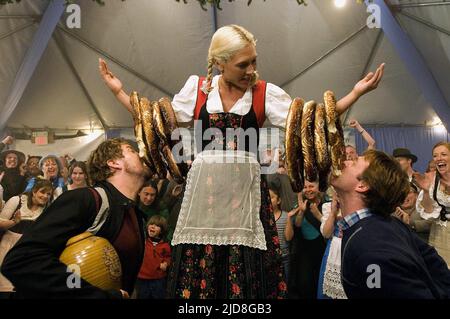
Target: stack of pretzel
(314,142)
(154,123)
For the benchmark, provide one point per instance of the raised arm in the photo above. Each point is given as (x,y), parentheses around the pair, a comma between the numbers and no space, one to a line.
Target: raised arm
(367,84)
(366,136)
(424,200)
(114,84)
(6,141)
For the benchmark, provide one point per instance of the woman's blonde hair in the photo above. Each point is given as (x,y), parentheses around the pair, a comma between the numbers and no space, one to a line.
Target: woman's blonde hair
(225,43)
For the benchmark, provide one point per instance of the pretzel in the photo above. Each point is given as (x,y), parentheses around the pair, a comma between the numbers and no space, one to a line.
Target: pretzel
(294,156)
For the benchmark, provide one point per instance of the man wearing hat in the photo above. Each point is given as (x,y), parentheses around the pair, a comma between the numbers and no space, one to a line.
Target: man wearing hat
(13,181)
(406,160)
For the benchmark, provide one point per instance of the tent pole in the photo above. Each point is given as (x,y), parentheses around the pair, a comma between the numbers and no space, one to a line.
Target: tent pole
(374,50)
(214,18)
(423,4)
(413,62)
(19,28)
(425,22)
(80,82)
(39,43)
(350,37)
(116,61)
(20,16)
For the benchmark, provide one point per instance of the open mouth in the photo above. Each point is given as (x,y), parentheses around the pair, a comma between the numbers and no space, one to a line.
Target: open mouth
(441,166)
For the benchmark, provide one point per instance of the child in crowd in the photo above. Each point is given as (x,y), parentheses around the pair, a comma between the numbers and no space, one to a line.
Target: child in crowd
(281,218)
(151,282)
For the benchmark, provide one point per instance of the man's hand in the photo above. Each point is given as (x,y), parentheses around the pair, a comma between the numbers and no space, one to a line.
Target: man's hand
(125,294)
(369,82)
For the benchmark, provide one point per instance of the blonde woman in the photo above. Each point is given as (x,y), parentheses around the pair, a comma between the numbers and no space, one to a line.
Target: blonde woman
(215,257)
(434,199)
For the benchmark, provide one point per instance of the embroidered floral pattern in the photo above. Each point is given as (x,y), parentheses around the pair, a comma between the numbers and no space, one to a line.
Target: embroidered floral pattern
(230,271)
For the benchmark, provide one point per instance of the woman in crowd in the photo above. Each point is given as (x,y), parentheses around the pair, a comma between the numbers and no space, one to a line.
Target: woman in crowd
(78,176)
(51,167)
(17,216)
(248,267)
(434,199)
(149,201)
(13,181)
(308,244)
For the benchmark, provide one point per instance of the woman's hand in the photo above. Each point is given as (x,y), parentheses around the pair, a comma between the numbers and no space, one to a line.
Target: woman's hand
(424,181)
(23,169)
(17,217)
(176,191)
(8,140)
(369,82)
(302,204)
(114,84)
(293,212)
(335,205)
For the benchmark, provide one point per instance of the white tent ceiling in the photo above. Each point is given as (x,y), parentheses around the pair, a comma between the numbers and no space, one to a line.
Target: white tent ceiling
(154,45)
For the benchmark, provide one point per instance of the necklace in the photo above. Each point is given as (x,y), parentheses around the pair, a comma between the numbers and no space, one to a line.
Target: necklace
(446,188)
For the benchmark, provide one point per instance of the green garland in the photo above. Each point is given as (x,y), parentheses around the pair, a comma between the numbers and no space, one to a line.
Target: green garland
(203,3)
(2,2)
(216,3)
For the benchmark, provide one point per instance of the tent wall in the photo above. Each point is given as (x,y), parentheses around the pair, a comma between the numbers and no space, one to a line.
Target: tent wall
(418,139)
(79,147)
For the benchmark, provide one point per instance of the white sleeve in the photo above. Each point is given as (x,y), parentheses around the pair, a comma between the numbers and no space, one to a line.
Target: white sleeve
(183,103)
(10,208)
(326,209)
(277,105)
(436,208)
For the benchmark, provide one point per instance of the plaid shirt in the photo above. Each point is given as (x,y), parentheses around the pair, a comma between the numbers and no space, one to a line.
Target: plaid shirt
(350,220)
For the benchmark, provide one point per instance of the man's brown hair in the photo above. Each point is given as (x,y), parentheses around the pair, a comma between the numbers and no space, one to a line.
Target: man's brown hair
(388,183)
(108,150)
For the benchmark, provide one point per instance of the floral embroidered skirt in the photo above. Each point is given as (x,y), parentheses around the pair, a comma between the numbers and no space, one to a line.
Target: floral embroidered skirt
(230,271)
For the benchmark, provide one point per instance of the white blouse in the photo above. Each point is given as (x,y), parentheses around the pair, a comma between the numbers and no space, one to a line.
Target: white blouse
(25,213)
(441,197)
(277,102)
(326,210)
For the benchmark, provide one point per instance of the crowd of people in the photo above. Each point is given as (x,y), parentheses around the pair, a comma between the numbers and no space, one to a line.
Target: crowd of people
(175,241)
